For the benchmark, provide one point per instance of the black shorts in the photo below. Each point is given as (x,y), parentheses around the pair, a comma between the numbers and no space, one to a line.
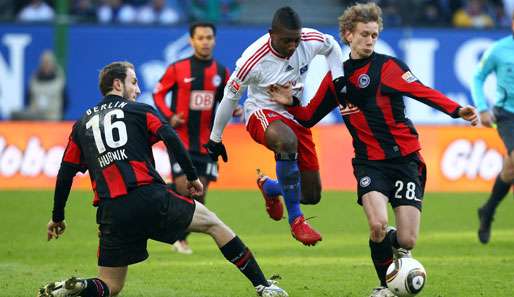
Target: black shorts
(402,179)
(204,165)
(127,222)
(505,126)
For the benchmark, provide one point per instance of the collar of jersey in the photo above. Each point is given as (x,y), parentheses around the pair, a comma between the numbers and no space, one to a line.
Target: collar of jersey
(360,62)
(114,97)
(274,52)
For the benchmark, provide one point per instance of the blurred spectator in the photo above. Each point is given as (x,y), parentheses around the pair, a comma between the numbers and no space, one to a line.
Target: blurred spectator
(390,13)
(83,11)
(157,11)
(46,94)
(6,9)
(215,10)
(36,11)
(433,13)
(115,11)
(473,14)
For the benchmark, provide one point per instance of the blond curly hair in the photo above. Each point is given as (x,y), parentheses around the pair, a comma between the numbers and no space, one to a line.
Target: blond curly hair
(359,13)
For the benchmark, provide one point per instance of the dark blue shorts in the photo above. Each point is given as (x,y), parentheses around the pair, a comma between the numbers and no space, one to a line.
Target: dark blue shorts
(505,126)
(204,165)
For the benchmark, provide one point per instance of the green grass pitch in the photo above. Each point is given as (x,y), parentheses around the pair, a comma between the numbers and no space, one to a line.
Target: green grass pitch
(456,263)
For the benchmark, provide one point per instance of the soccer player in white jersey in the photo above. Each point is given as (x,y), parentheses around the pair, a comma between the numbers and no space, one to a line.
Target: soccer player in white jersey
(280,57)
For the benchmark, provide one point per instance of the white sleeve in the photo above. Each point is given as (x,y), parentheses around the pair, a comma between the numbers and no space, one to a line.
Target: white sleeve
(233,91)
(334,58)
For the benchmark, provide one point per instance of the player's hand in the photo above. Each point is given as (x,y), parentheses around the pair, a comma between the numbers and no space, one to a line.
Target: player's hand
(340,89)
(55,229)
(281,94)
(487,119)
(177,119)
(469,113)
(195,187)
(238,111)
(216,149)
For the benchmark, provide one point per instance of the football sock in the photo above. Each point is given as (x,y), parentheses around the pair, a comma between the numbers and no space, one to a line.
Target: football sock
(393,239)
(382,256)
(288,176)
(238,254)
(500,190)
(95,287)
(183,235)
(272,187)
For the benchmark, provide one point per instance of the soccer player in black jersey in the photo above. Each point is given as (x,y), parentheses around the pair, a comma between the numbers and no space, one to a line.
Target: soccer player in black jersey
(196,84)
(113,141)
(387,163)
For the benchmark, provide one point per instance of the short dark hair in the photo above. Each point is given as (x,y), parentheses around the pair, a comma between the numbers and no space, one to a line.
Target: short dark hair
(286,17)
(195,25)
(115,70)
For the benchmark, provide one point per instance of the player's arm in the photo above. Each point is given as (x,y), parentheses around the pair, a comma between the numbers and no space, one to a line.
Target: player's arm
(323,102)
(72,162)
(162,88)
(158,127)
(485,67)
(396,78)
(235,87)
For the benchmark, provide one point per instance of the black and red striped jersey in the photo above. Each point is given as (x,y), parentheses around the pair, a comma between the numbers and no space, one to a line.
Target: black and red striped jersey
(113,141)
(373,107)
(197,87)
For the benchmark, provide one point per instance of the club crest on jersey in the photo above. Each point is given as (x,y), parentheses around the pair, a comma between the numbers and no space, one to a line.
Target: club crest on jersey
(365,181)
(409,77)
(234,87)
(304,69)
(364,80)
(216,80)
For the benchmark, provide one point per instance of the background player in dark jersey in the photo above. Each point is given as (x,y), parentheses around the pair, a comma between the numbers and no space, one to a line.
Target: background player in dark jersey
(113,142)
(387,163)
(197,85)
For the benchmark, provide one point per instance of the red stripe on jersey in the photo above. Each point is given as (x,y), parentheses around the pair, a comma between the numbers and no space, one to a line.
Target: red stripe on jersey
(164,85)
(114,181)
(402,133)
(72,152)
(313,39)
(152,123)
(242,75)
(358,120)
(373,148)
(188,200)
(313,33)
(249,61)
(96,199)
(141,172)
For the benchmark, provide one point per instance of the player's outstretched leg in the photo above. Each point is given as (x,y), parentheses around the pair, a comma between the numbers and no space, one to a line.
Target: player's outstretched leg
(486,212)
(73,286)
(234,250)
(288,175)
(271,192)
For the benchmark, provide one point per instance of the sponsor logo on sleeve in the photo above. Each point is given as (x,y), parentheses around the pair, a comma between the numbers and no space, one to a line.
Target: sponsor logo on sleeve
(409,77)
(234,87)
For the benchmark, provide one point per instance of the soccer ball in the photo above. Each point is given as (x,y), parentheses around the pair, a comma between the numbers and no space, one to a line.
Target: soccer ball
(406,277)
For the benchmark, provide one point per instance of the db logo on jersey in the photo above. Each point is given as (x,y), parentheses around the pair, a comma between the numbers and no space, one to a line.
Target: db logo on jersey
(201,100)
(365,181)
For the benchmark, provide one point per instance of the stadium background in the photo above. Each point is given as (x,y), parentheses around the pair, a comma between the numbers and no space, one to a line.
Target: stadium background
(460,159)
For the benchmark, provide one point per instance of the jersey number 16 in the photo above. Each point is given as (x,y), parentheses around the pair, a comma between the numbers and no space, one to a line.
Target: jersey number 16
(108,126)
